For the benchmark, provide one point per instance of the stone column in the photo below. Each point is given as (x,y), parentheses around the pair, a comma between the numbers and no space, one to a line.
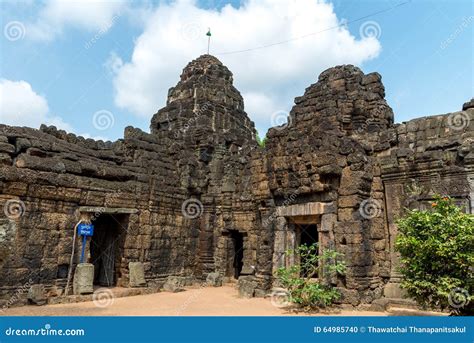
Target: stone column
(471,195)
(393,196)
(83,279)
(7,239)
(326,229)
(279,244)
(291,244)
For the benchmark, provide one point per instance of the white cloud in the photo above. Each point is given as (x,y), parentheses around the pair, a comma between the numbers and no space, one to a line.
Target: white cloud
(96,138)
(175,34)
(262,107)
(20,105)
(56,15)
(113,63)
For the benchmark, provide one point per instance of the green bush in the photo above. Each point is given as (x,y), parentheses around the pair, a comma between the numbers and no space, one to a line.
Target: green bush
(437,256)
(303,288)
(261,142)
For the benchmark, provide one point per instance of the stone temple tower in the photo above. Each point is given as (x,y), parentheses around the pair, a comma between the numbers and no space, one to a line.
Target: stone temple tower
(197,199)
(206,127)
(204,102)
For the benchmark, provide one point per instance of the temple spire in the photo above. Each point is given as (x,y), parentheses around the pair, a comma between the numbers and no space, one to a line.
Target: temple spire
(208,34)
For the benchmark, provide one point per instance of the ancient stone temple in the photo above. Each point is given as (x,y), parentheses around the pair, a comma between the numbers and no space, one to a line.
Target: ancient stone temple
(197,198)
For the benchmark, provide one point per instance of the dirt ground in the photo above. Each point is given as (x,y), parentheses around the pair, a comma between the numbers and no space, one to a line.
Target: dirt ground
(220,301)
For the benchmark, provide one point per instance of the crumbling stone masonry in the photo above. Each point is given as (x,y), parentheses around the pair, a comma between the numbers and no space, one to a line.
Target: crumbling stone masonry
(197,195)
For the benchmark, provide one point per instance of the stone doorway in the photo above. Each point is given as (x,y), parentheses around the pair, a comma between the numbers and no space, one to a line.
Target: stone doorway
(235,253)
(306,234)
(302,223)
(106,248)
(238,240)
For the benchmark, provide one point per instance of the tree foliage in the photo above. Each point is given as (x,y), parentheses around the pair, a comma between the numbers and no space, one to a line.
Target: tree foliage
(303,288)
(437,256)
(261,142)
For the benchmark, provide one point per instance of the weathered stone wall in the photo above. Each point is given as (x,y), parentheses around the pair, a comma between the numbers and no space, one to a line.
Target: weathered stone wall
(48,177)
(182,193)
(433,155)
(177,187)
(322,166)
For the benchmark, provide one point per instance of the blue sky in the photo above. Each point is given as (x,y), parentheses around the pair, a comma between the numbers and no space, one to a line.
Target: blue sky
(72,68)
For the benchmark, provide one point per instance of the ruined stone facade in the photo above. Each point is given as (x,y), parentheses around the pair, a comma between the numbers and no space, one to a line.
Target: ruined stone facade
(198,195)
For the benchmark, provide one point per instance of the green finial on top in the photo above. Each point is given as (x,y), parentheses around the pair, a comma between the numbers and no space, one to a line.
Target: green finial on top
(208,34)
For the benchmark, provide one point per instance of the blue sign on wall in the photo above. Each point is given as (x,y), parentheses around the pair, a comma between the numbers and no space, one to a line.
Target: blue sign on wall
(85,229)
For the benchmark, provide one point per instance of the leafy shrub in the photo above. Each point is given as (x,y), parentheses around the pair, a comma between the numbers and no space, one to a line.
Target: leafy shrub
(261,142)
(303,288)
(437,256)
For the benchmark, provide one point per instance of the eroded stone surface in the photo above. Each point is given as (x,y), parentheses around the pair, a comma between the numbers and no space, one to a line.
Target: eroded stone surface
(7,238)
(83,279)
(214,279)
(174,284)
(137,274)
(37,295)
(197,191)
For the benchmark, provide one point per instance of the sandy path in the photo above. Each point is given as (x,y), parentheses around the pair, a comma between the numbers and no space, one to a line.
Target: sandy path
(220,301)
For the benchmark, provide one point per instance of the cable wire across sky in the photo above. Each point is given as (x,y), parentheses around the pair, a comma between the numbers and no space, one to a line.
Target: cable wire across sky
(315,33)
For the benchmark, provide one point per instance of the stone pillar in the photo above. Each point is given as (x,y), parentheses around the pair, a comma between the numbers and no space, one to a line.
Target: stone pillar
(7,239)
(327,240)
(84,279)
(37,295)
(326,229)
(471,195)
(136,274)
(279,245)
(248,259)
(393,196)
(291,243)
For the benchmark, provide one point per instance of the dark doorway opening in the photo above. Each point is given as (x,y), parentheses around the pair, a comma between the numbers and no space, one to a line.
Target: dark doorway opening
(107,248)
(307,235)
(238,252)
